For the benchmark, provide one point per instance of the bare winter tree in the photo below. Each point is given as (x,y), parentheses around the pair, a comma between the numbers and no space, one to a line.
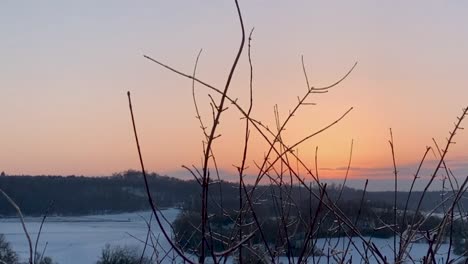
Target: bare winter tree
(279,216)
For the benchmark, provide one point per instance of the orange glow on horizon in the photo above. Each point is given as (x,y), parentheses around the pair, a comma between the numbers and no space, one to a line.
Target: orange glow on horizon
(64,108)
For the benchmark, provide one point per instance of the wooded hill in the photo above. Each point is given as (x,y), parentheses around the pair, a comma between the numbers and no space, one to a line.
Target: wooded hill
(124,192)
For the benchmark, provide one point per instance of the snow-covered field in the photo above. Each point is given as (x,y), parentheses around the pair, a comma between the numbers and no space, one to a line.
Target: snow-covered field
(385,246)
(79,240)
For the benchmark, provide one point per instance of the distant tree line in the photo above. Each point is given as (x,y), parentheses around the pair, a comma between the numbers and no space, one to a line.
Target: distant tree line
(124,192)
(373,217)
(78,195)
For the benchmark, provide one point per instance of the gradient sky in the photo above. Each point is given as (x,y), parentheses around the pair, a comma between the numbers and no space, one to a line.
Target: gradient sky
(66,66)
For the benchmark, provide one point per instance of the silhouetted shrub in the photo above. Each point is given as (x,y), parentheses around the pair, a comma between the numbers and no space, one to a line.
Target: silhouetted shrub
(7,255)
(121,255)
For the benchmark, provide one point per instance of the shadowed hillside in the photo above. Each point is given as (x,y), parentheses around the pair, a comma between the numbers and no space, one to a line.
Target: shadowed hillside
(124,192)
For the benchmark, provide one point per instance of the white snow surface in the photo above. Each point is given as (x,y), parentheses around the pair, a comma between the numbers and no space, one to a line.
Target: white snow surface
(80,239)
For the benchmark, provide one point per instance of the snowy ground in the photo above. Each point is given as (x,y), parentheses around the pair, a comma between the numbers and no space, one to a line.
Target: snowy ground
(385,246)
(79,240)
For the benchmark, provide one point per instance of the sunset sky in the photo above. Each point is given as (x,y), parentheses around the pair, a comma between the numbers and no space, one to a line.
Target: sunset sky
(66,66)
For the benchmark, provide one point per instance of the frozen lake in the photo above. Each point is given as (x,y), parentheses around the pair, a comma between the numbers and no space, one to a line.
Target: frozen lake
(79,240)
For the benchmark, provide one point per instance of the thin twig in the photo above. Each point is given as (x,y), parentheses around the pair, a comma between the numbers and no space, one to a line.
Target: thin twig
(18,210)
(40,229)
(148,193)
